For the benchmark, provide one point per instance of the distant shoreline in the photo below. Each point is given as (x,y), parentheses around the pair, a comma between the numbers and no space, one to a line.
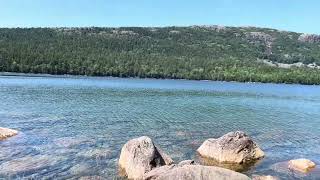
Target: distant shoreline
(13,74)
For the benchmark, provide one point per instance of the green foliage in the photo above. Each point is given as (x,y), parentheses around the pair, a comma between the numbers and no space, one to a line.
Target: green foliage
(172,52)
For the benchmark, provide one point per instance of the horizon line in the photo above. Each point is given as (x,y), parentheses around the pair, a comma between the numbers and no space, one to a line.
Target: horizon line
(160,26)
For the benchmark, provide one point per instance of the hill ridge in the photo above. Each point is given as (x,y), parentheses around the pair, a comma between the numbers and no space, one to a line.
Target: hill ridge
(211,52)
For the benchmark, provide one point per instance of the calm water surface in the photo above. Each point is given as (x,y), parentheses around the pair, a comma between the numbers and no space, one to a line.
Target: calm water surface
(73,127)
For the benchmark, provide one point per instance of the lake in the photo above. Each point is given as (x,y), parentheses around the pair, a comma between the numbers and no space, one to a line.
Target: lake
(75,126)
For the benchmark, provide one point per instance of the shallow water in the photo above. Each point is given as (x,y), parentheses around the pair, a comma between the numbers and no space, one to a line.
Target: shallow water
(75,126)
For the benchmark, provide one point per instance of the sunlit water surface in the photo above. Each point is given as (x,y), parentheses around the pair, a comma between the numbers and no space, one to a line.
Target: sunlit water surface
(75,126)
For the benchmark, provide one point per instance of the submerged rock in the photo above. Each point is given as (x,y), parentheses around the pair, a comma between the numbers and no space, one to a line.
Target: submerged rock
(303,165)
(68,142)
(6,153)
(6,133)
(95,153)
(29,163)
(283,168)
(139,156)
(234,147)
(80,169)
(91,178)
(191,172)
(258,177)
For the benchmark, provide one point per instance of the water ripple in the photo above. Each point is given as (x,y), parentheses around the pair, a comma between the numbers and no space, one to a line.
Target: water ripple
(75,127)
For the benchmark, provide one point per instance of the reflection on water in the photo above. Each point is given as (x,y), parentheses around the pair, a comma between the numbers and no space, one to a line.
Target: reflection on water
(243,167)
(75,127)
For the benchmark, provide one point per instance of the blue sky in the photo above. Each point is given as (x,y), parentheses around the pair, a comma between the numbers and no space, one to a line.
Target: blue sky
(293,15)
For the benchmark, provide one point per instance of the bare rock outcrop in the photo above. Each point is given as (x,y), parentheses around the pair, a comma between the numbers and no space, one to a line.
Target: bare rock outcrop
(216,28)
(234,147)
(309,38)
(139,156)
(261,37)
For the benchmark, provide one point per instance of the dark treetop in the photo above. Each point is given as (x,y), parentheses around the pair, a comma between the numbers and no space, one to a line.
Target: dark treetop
(196,52)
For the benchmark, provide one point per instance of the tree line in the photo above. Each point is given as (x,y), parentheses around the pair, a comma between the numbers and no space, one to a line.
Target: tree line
(171,52)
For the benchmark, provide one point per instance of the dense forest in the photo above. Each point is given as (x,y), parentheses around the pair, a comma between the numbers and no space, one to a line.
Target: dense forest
(245,54)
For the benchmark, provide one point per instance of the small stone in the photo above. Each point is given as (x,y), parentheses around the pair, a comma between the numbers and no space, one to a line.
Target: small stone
(303,165)
(6,133)
(283,168)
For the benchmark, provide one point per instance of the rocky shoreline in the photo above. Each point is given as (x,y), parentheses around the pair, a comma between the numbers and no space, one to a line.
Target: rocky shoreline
(222,158)
(141,159)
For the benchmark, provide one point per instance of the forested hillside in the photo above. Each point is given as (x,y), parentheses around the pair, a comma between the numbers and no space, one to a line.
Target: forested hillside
(196,52)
